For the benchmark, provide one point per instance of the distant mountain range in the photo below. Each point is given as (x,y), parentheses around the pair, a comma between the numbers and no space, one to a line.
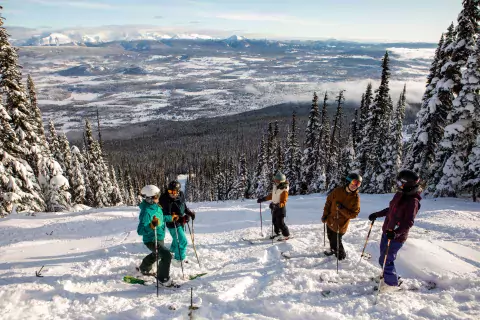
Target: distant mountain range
(101,35)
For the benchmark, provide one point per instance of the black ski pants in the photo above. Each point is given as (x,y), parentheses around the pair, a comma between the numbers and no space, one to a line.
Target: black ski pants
(332,238)
(278,220)
(164,256)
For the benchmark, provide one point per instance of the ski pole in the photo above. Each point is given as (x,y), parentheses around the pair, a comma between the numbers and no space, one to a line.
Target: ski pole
(368,235)
(324,227)
(338,240)
(156,255)
(271,212)
(383,271)
(261,220)
(193,242)
(179,251)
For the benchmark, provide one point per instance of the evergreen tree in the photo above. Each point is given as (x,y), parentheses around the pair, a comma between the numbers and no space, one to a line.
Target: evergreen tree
(334,147)
(323,146)
(40,132)
(459,137)
(472,171)
(419,154)
(219,179)
(394,145)
(115,194)
(364,130)
(309,160)
(261,173)
(292,157)
(441,102)
(463,48)
(242,178)
(377,123)
(54,144)
(64,146)
(77,177)
(354,130)
(96,176)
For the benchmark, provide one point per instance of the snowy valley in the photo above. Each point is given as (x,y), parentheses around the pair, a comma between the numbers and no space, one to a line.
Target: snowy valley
(87,253)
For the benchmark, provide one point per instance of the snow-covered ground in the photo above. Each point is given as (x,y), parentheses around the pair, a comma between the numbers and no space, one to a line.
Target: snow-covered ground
(86,254)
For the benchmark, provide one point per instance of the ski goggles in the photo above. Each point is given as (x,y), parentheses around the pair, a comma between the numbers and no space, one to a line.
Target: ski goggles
(401,183)
(172,192)
(355,183)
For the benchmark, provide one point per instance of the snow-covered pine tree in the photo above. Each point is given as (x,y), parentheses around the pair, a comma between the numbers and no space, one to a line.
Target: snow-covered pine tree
(20,186)
(394,145)
(115,194)
(280,159)
(77,178)
(441,103)
(219,179)
(54,144)
(261,172)
(354,130)
(418,150)
(277,158)
(464,46)
(16,176)
(459,136)
(334,146)
(230,180)
(309,159)
(58,195)
(471,176)
(96,176)
(64,146)
(130,198)
(346,162)
(37,115)
(292,157)
(242,178)
(322,146)
(363,131)
(270,153)
(377,123)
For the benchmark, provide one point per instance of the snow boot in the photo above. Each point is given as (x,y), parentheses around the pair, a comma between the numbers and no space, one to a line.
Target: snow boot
(329,253)
(274,236)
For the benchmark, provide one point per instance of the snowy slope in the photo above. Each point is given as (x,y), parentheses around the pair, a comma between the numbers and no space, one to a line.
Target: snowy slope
(86,254)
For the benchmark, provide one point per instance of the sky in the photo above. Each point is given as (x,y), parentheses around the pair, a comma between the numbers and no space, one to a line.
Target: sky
(405,20)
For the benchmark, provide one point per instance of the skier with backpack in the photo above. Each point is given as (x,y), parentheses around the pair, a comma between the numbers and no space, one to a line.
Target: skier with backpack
(152,227)
(279,196)
(342,204)
(399,218)
(173,204)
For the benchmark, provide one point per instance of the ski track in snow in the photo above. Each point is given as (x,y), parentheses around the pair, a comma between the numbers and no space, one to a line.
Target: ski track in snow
(86,254)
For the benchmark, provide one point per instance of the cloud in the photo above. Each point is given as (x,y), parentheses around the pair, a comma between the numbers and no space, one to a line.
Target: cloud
(194,22)
(69,3)
(266,17)
(158,17)
(355,89)
(412,54)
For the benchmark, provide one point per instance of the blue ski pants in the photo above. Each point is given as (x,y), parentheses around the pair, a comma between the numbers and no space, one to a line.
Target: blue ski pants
(182,241)
(390,275)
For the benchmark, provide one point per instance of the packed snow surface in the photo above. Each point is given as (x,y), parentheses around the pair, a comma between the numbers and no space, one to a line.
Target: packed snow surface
(86,254)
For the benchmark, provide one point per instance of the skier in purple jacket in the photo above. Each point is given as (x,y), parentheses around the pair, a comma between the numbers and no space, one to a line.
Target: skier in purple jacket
(399,218)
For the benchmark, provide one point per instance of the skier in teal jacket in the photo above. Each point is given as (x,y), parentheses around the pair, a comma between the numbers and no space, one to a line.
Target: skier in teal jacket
(151,221)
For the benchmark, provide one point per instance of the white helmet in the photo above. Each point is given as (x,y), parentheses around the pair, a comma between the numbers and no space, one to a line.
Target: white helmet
(150,191)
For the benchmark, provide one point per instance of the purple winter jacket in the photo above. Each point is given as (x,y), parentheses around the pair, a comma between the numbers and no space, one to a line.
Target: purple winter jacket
(400,215)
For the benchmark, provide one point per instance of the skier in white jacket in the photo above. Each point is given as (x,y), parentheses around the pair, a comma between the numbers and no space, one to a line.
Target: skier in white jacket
(279,198)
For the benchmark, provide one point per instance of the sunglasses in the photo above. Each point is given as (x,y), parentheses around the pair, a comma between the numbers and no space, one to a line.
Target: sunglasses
(355,183)
(174,192)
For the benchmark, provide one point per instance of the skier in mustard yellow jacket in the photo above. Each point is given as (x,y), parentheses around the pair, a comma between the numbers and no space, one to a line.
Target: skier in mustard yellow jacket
(342,204)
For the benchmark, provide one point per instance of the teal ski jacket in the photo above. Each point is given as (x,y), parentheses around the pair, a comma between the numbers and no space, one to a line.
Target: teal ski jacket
(147,212)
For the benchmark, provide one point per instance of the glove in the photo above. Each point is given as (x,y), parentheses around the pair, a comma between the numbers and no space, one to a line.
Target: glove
(340,206)
(324,219)
(390,234)
(372,217)
(185,219)
(154,222)
(260,200)
(191,214)
(174,217)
